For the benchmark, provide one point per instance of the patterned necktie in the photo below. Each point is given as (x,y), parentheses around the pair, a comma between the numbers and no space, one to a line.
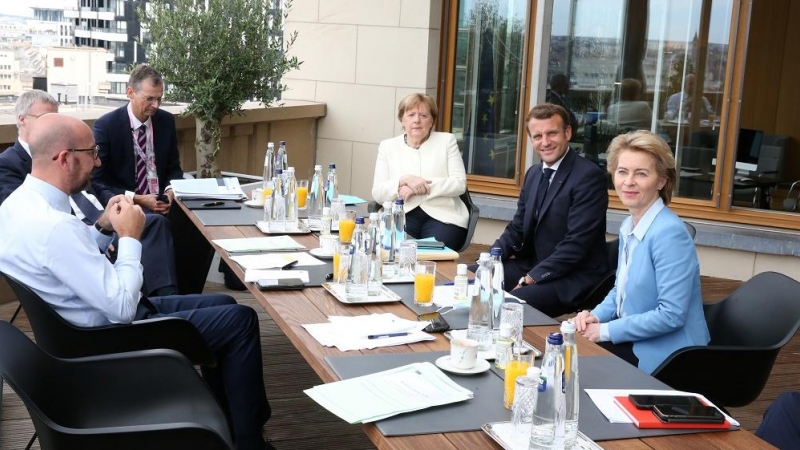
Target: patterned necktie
(544,184)
(141,166)
(90,212)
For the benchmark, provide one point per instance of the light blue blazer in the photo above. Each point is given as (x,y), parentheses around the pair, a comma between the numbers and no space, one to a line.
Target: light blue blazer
(663,307)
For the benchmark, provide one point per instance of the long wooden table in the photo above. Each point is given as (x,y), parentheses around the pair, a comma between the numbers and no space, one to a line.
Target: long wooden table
(291,309)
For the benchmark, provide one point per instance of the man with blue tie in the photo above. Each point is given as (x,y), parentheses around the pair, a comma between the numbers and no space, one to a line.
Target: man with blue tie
(138,146)
(15,163)
(554,247)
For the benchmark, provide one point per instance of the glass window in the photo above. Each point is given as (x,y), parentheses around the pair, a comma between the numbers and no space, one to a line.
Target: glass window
(487,85)
(621,65)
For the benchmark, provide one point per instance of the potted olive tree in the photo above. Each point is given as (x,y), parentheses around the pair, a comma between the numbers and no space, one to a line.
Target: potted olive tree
(216,55)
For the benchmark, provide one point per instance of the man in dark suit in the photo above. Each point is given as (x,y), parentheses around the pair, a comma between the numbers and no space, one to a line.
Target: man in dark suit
(554,248)
(138,146)
(15,164)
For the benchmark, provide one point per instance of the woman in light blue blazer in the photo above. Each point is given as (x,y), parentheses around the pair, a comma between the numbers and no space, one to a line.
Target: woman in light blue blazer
(655,306)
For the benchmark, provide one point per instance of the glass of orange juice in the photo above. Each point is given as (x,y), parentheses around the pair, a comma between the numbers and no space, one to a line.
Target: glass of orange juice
(341,261)
(302,194)
(266,192)
(518,362)
(424,279)
(347,223)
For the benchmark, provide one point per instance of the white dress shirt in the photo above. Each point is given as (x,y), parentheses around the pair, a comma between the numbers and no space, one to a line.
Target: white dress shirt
(45,247)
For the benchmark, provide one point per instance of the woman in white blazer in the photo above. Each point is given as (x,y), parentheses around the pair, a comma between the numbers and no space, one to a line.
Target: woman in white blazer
(425,169)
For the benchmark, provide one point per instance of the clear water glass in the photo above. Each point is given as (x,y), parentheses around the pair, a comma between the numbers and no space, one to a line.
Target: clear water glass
(512,313)
(407,258)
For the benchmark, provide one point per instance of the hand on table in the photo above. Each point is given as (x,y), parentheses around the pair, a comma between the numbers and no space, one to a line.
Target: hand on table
(587,325)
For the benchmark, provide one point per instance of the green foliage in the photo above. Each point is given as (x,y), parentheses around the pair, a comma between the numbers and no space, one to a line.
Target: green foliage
(217,54)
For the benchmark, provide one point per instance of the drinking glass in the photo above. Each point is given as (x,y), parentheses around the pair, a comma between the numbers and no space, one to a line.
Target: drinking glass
(341,262)
(512,313)
(337,209)
(424,279)
(302,194)
(407,258)
(267,199)
(518,362)
(347,223)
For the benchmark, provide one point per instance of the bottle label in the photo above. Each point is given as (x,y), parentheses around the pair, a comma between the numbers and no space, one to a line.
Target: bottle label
(543,384)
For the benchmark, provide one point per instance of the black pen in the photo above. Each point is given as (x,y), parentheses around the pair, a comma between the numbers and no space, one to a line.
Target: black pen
(387,335)
(288,266)
(217,203)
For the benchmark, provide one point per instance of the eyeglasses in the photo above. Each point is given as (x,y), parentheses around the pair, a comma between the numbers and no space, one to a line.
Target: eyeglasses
(95,150)
(150,99)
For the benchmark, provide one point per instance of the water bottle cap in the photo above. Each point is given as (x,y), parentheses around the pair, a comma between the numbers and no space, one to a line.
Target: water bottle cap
(374,217)
(484,257)
(290,169)
(496,251)
(331,166)
(534,372)
(282,143)
(359,221)
(555,339)
(387,204)
(461,269)
(568,327)
(317,166)
(399,201)
(506,329)
(326,211)
(270,145)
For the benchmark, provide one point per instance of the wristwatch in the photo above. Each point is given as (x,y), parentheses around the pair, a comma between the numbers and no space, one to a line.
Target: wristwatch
(105,232)
(522,281)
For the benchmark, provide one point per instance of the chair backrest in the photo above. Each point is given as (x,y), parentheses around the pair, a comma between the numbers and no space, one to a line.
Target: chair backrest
(612,251)
(764,312)
(691,229)
(474,215)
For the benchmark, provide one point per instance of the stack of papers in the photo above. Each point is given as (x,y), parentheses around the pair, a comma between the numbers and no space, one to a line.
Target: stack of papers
(353,332)
(385,394)
(259,244)
(211,188)
(253,275)
(275,260)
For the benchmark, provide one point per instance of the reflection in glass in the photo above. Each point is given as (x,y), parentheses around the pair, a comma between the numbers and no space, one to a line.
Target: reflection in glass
(487,84)
(622,65)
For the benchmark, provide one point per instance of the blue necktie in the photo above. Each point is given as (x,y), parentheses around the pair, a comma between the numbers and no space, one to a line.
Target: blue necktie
(90,212)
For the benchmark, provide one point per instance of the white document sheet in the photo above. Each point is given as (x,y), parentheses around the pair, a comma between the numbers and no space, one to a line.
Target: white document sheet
(352,332)
(259,244)
(275,260)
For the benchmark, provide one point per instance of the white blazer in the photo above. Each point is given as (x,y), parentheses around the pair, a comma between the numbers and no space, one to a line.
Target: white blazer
(438,160)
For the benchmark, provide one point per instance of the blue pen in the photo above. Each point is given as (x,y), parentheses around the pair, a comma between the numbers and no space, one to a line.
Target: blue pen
(470,281)
(387,335)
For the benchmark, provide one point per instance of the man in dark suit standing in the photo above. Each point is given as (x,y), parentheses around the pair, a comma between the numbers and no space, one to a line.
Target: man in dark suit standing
(554,248)
(157,259)
(138,146)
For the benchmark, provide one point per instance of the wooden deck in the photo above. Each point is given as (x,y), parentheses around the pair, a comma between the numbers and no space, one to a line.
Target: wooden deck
(298,423)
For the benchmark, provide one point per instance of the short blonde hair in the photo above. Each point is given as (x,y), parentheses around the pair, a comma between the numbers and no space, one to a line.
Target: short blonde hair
(416,99)
(646,142)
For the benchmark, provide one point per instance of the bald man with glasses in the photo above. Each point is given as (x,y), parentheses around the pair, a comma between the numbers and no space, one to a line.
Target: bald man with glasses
(158,256)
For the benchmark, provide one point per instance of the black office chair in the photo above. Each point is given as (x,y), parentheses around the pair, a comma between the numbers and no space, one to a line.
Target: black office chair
(599,292)
(690,229)
(60,338)
(150,399)
(747,331)
(474,215)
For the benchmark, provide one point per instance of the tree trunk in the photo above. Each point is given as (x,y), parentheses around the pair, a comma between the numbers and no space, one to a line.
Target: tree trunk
(206,145)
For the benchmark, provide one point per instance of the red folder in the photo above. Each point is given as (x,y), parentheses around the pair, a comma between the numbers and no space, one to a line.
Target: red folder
(645,418)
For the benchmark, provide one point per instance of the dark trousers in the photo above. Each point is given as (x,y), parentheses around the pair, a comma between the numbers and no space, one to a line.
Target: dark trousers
(781,424)
(541,296)
(420,225)
(158,255)
(623,350)
(231,330)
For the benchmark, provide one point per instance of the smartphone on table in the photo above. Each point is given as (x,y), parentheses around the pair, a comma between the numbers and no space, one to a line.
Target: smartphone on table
(648,401)
(437,322)
(688,414)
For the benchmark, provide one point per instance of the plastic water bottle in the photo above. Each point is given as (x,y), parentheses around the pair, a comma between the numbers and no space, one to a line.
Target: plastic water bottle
(281,159)
(278,216)
(375,281)
(498,285)
(269,165)
(356,286)
(331,185)
(571,386)
(316,199)
(399,220)
(290,194)
(387,232)
(460,284)
(505,340)
(326,221)
(479,326)
(547,431)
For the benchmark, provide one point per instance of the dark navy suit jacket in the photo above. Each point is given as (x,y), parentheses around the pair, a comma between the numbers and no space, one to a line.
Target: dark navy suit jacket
(116,173)
(15,165)
(566,245)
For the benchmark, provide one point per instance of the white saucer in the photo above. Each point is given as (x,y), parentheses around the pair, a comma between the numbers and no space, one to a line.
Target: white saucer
(320,254)
(481,365)
(254,204)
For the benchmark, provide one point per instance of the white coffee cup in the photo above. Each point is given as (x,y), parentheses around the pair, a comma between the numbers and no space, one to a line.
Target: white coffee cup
(327,243)
(463,353)
(256,197)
